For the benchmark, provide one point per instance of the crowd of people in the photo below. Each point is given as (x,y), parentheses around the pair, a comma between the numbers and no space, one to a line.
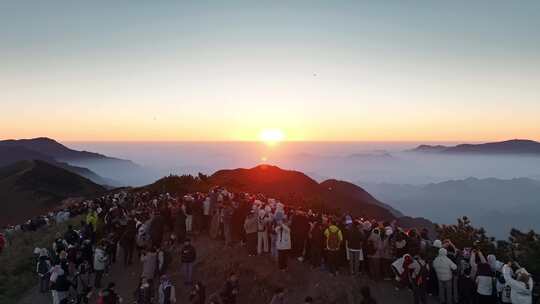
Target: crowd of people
(155,228)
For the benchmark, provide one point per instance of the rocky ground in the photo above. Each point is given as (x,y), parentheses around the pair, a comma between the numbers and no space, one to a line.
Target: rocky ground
(258,278)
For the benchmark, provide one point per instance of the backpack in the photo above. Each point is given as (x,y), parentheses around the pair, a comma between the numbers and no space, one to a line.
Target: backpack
(60,245)
(333,242)
(43,267)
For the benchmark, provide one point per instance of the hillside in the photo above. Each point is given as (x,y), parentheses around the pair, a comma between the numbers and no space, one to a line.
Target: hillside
(505,203)
(111,170)
(514,146)
(299,189)
(13,154)
(29,188)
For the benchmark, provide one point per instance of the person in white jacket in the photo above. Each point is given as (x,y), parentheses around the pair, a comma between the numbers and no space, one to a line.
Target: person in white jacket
(100,262)
(521,288)
(283,244)
(443,267)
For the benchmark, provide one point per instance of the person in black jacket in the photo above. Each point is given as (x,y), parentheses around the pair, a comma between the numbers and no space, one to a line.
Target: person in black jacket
(127,241)
(71,236)
(156,229)
(466,287)
(180,226)
(316,244)
(187,258)
(354,240)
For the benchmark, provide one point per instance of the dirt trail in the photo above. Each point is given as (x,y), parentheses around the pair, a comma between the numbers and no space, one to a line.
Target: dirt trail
(258,278)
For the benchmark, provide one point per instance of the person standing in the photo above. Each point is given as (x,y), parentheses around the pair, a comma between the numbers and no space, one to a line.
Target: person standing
(43,270)
(283,244)
(444,267)
(263,221)
(316,244)
(521,288)
(250,226)
(484,284)
(149,265)
(334,238)
(82,279)
(100,263)
(187,259)
(127,241)
(166,291)
(354,241)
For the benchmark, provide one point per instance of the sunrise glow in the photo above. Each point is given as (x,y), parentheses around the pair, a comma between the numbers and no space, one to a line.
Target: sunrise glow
(271,137)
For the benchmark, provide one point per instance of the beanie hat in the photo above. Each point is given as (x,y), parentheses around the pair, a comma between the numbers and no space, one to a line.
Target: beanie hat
(437,244)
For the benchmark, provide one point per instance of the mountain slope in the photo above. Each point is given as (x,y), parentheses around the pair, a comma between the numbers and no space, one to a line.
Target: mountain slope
(514,146)
(28,188)
(11,154)
(114,169)
(299,189)
(495,204)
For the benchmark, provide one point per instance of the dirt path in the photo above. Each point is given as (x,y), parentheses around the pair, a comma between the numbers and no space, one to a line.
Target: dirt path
(258,277)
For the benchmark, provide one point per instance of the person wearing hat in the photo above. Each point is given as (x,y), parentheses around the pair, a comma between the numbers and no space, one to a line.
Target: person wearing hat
(444,267)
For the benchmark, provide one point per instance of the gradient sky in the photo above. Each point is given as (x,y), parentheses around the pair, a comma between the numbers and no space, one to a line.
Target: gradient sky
(224,70)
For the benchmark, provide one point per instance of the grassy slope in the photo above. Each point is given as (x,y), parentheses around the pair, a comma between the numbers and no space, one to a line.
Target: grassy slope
(30,188)
(17,262)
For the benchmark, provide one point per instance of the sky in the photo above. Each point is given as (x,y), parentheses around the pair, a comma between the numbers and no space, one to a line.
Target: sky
(226,70)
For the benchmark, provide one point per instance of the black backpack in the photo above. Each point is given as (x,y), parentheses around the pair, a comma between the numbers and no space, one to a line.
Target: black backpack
(43,266)
(60,246)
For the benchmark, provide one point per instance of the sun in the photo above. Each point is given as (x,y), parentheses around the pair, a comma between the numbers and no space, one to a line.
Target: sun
(271,137)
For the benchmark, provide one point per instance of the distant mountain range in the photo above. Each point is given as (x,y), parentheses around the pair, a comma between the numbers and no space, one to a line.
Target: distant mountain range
(12,154)
(97,167)
(495,204)
(514,146)
(30,188)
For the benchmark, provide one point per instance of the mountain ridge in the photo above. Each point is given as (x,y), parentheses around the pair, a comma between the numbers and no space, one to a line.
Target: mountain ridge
(12,154)
(512,146)
(298,189)
(111,170)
